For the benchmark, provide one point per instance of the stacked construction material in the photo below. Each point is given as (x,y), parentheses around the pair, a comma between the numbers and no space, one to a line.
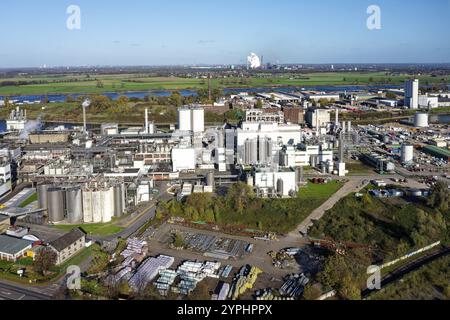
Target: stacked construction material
(134,247)
(226,271)
(165,280)
(294,285)
(244,280)
(191,273)
(148,270)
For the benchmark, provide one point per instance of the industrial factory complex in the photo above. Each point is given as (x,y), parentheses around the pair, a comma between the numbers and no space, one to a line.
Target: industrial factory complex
(58,181)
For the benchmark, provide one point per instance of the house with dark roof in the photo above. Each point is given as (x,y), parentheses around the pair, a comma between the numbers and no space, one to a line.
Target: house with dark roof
(12,248)
(68,245)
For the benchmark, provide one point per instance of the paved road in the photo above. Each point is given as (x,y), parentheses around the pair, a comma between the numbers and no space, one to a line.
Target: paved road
(10,291)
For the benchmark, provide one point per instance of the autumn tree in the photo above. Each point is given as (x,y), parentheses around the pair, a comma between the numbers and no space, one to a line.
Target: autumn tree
(45,259)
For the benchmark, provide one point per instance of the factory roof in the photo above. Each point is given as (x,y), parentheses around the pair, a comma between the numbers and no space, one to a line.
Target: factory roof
(438,150)
(11,245)
(69,238)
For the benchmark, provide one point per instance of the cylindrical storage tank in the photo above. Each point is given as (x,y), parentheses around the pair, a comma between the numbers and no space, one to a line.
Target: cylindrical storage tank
(184,119)
(55,203)
(407,153)
(198,120)
(74,205)
(42,190)
(221,140)
(97,206)
(108,204)
(421,120)
(88,216)
(280,187)
(210,179)
(118,205)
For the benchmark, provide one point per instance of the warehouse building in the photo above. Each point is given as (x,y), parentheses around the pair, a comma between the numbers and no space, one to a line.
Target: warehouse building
(12,249)
(437,152)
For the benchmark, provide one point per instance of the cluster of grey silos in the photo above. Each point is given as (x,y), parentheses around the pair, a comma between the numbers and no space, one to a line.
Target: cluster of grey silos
(67,203)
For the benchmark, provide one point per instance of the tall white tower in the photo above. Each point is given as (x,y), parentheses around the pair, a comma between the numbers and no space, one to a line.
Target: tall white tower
(412,94)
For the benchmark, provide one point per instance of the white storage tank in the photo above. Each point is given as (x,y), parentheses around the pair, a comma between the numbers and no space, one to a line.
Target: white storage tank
(198,120)
(97,206)
(407,155)
(184,119)
(88,216)
(421,120)
(108,207)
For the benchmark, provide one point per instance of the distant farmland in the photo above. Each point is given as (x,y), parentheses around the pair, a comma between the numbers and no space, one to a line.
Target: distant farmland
(71,84)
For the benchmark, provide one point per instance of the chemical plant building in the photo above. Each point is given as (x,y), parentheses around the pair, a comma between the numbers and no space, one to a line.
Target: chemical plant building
(412,94)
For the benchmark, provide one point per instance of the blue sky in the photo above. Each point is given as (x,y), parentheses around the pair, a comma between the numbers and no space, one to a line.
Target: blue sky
(162,32)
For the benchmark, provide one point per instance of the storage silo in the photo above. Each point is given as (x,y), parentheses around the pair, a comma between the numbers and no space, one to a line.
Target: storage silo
(198,120)
(55,204)
(74,205)
(210,179)
(108,204)
(118,201)
(42,190)
(407,155)
(280,187)
(421,120)
(184,119)
(88,215)
(97,206)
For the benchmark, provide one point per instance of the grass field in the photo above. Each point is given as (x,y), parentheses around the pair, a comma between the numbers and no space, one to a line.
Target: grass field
(266,215)
(98,229)
(28,201)
(134,82)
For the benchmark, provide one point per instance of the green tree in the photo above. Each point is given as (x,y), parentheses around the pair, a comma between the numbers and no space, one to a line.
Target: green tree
(45,259)
(440,197)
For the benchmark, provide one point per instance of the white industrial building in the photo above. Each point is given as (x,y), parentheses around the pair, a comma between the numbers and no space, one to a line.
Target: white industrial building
(183,159)
(191,119)
(269,183)
(318,118)
(430,102)
(412,94)
(5,178)
(17,120)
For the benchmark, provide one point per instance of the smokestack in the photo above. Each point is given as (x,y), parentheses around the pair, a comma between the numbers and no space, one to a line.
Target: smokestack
(146,121)
(84,122)
(209,87)
(343,126)
(349,127)
(337,117)
(317,123)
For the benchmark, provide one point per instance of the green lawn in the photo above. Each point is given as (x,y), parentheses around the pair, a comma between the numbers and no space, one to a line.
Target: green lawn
(28,201)
(98,229)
